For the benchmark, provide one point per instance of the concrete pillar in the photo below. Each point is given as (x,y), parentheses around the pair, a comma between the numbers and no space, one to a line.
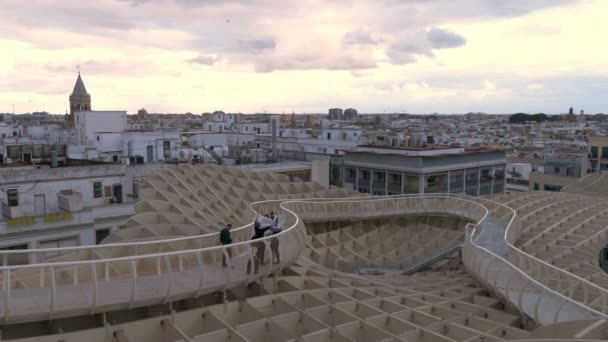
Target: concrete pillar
(402,183)
(478,180)
(492,173)
(371,182)
(356,178)
(385,182)
(320,172)
(421,183)
(448,181)
(464,181)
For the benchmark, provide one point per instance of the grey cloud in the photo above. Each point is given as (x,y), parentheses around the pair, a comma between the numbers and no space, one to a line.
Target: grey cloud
(442,39)
(311,62)
(255,46)
(358,37)
(203,59)
(422,43)
(243,30)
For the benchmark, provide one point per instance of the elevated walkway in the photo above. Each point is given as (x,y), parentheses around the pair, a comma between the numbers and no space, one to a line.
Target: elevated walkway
(84,280)
(485,254)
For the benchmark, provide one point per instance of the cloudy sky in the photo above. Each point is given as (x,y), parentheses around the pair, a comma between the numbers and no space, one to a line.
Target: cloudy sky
(419,56)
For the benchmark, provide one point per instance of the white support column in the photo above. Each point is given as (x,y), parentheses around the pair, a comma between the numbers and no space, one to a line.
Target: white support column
(421,183)
(357,179)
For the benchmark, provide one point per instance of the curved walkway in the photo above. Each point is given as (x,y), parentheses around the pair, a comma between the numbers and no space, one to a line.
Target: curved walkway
(83,281)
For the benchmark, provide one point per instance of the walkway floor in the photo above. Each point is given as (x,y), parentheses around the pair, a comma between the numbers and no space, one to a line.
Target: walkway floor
(492,236)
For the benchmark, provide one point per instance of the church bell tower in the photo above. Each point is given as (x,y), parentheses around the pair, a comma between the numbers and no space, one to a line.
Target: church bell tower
(80,100)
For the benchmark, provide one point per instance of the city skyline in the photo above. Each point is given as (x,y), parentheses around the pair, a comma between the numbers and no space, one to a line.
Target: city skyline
(389,56)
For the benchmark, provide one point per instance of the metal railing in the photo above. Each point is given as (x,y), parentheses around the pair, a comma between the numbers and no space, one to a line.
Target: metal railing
(60,288)
(66,288)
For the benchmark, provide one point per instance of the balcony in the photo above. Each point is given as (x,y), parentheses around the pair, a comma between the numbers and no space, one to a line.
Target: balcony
(486,179)
(87,216)
(11,212)
(71,202)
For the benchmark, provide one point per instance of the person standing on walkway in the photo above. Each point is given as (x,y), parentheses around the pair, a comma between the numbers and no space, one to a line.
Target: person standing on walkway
(226,239)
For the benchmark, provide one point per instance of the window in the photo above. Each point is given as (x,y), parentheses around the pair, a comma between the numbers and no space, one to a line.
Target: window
(328,136)
(551,187)
(379,176)
(246,128)
(594,151)
(97,190)
(101,234)
(365,175)
(115,158)
(397,179)
(12,197)
(16,259)
(536,187)
(556,170)
(98,138)
(352,173)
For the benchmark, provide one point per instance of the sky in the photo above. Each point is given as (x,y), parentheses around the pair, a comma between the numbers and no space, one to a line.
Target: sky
(305,56)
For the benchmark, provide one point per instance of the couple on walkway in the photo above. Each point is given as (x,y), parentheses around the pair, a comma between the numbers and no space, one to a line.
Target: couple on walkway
(263,226)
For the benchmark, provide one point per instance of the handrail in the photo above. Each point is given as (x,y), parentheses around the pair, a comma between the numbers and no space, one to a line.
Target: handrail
(103,276)
(288,208)
(433,259)
(520,255)
(476,264)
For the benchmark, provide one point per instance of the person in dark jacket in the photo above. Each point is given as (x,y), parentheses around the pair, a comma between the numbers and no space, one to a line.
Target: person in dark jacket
(226,239)
(258,231)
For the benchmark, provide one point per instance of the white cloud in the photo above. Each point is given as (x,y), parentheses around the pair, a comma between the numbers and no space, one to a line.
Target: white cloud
(535,86)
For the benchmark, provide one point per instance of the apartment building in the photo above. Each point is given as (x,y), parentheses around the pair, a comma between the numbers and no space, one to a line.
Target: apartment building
(77,203)
(598,153)
(320,141)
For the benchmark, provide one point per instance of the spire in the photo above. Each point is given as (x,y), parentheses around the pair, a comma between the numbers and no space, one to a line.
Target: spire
(79,88)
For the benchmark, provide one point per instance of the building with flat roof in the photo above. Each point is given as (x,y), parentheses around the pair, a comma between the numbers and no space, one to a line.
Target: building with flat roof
(79,202)
(432,169)
(598,153)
